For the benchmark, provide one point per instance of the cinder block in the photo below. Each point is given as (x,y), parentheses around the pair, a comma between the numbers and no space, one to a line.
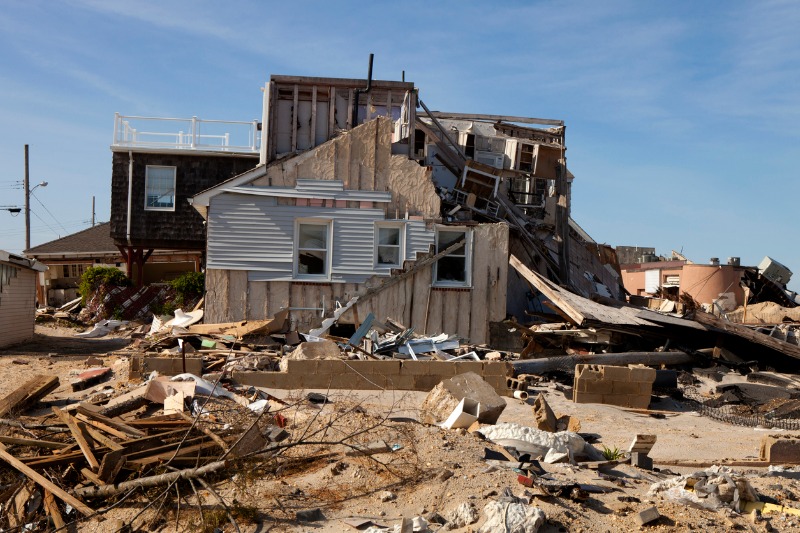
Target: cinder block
(426,383)
(645,389)
(468,366)
(376,367)
(616,373)
(331,366)
(638,401)
(596,387)
(642,373)
(444,369)
(779,449)
(415,368)
(302,366)
(497,369)
(585,397)
(588,373)
(399,382)
(641,460)
(166,366)
(625,387)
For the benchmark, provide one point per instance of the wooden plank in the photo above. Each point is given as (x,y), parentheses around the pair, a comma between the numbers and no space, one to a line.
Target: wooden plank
(30,392)
(578,308)
(312,136)
(52,510)
(451,311)
(746,333)
(331,111)
(110,466)
(116,424)
(78,435)
(91,476)
(44,482)
(98,436)
(32,442)
(495,118)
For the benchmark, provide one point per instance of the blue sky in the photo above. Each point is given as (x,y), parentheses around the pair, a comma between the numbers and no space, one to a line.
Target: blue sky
(683,118)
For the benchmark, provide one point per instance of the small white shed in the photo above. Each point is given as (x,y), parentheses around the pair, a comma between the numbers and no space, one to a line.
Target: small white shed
(17,297)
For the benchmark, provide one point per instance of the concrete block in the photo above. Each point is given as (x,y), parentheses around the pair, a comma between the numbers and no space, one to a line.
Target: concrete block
(585,397)
(637,401)
(596,387)
(616,373)
(376,367)
(399,382)
(462,367)
(302,366)
(647,515)
(642,373)
(331,366)
(497,369)
(778,449)
(641,460)
(445,369)
(142,365)
(446,396)
(588,372)
(625,388)
(426,383)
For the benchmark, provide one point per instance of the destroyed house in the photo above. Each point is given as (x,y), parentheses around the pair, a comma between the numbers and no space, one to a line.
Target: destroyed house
(157,165)
(335,212)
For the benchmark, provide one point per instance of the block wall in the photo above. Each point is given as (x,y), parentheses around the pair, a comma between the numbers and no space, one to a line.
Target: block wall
(614,385)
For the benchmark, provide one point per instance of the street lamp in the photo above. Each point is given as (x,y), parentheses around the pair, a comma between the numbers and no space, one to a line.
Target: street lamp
(28,192)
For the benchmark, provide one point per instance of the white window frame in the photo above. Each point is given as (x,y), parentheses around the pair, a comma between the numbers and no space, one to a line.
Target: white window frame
(174,185)
(401,253)
(328,223)
(467,258)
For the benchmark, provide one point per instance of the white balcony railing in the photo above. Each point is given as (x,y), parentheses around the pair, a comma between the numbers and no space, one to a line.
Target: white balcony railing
(186,134)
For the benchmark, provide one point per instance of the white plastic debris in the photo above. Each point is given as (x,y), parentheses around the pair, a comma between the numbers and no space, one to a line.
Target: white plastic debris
(541,442)
(505,517)
(203,386)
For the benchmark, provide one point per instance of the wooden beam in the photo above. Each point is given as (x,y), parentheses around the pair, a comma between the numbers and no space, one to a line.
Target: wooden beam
(331,111)
(116,424)
(746,333)
(312,136)
(495,118)
(30,392)
(44,482)
(80,438)
(294,119)
(52,510)
(32,442)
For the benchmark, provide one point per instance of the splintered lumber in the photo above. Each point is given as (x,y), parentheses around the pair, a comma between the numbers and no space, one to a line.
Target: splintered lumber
(44,482)
(746,333)
(563,362)
(30,392)
(151,481)
(577,308)
(52,510)
(115,424)
(243,327)
(127,402)
(78,433)
(32,442)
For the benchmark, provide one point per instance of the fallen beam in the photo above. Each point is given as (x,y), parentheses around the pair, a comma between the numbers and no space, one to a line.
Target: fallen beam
(551,364)
(30,392)
(151,481)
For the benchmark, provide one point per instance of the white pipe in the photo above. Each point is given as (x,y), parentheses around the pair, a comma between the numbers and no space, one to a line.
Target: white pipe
(130,194)
(520,395)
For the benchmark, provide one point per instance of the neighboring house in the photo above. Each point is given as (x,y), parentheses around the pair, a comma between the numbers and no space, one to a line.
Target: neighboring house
(17,297)
(68,258)
(157,165)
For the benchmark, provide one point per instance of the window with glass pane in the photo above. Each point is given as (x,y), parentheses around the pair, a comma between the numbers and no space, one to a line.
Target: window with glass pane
(389,244)
(160,188)
(312,249)
(452,268)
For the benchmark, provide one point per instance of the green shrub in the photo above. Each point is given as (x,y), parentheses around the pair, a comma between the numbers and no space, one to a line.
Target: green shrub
(94,277)
(189,285)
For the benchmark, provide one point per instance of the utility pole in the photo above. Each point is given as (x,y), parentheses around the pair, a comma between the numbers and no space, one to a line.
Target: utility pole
(92,211)
(26,185)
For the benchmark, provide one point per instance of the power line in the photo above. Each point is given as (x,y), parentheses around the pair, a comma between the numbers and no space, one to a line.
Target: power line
(48,211)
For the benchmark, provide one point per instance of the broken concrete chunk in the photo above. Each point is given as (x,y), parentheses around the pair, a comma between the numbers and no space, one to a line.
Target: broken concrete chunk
(646,516)
(544,415)
(777,449)
(310,515)
(324,349)
(512,517)
(445,397)
(462,516)
(643,443)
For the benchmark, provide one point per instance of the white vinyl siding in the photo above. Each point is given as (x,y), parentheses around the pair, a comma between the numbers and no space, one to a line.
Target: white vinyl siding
(17,304)
(254,233)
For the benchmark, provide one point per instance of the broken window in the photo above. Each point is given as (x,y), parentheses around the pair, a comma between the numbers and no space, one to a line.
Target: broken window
(159,188)
(469,146)
(313,249)
(454,269)
(389,244)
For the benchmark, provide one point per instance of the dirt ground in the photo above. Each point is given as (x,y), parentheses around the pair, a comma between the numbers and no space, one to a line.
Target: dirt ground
(432,470)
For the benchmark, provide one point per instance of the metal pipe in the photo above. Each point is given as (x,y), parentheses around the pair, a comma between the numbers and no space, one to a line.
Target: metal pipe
(358,92)
(130,199)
